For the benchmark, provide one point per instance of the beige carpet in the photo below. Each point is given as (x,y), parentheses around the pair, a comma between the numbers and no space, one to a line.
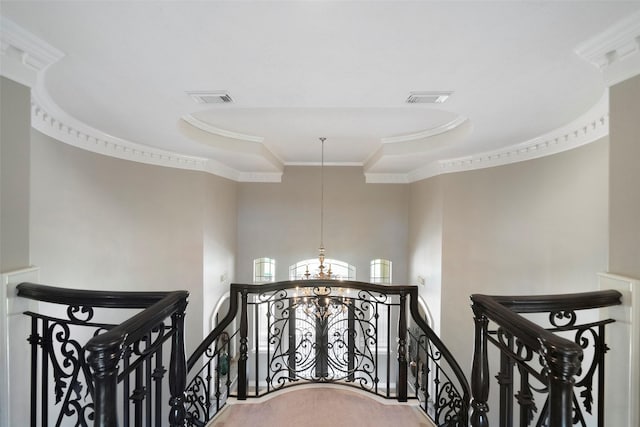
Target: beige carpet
(320,407)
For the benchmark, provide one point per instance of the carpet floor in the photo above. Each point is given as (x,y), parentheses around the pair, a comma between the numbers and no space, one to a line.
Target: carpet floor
(320,407)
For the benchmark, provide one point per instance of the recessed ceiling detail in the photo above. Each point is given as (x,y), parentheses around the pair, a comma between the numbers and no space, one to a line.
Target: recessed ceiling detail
(425,133)
(94,89)
(202,125)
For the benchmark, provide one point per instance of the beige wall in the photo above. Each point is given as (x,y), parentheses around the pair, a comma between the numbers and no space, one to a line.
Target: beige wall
(15,128)
(219,241)
(528,228)
(103,223)
(624,228)
(425,243)
(361,221)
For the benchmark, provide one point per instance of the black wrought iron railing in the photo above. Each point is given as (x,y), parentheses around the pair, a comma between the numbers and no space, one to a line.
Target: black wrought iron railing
(358,334)
(85,371)
(549,375)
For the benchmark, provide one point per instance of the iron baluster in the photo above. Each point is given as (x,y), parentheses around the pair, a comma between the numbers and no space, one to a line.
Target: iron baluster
(388,394)
(126,357)
(601,349)
(138,396)
(256,344)
(46,347)
(158,374)
(351,341)
(148,389)
(401,384)
(217,383)
(228,381)
(505,381)
(242,363)
(292,340)
(525,400)
(34,339)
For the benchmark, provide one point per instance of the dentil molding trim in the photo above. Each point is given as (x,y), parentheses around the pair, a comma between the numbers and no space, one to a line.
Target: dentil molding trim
(589,127)
(22,55)
(616,51)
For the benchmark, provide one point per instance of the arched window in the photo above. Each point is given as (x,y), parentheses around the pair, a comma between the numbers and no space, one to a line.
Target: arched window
(380,271)
(340,270)
(264,270)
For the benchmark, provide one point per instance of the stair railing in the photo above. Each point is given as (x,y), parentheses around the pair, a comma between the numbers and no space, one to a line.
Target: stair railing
(559,365)
(98,368)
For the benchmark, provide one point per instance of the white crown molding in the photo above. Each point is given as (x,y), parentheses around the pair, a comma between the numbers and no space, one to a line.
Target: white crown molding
(589,127)
(49,119)
(352,164)
(386,178)
(219,131)
(425,133)
(615,51)
(22,55)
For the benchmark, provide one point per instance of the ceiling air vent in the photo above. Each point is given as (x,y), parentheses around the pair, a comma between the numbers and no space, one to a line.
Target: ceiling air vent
(428,97)
(211,97)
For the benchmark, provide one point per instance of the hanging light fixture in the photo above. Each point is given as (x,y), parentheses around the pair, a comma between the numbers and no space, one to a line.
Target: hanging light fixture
(321,274)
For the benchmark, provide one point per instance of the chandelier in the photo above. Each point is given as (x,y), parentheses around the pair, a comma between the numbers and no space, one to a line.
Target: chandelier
(321,274)
(318,301)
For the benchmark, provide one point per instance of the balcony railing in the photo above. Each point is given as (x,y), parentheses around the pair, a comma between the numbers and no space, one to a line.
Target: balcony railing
(86,370)
(553,375)
(371,337)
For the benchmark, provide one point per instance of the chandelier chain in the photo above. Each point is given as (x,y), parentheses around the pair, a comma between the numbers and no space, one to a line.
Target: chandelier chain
(322,193)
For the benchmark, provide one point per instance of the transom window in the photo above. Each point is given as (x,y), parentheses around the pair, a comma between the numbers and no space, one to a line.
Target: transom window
(339,269)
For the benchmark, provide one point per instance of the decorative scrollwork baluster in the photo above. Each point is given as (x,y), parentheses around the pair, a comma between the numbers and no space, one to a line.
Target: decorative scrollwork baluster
(402,350)
(242,363)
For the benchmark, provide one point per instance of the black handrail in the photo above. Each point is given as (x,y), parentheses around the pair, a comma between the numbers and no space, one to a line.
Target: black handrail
(83,297)
(562,357)
(104,351)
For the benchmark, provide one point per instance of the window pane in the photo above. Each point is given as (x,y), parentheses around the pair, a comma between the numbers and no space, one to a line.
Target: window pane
(381,271)
(264,270)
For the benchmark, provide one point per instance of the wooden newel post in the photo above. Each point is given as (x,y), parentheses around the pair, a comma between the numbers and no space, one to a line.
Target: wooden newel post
(104,364)
(244,349)
(402,350)
(177,369)
(561,368)
(480,373)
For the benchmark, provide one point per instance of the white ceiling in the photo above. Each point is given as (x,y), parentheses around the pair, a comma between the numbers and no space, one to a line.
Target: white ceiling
(304,69)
